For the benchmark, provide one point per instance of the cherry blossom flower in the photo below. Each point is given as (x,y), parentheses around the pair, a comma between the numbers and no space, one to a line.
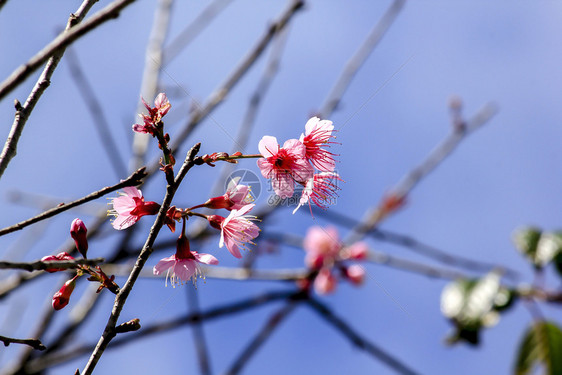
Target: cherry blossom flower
(154,117)
(53,258)
(236,197)
(320,189)
(236,230)
(284,165)
(317,136)
(325,282)
(78,232)
(355,273)
(322,246)
(358,251)
(130,207)
(184,264)
(62,297)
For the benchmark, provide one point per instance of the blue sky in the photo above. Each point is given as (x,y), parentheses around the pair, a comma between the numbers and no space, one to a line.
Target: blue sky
(503,176)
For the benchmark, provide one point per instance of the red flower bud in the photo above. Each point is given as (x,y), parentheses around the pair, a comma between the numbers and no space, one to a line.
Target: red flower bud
(59,256)
(78,232)
(61,298)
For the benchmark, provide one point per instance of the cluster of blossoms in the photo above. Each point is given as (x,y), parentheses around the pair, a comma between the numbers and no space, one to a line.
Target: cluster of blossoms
(237,229)
(325,254)
(78,232)
(295,163)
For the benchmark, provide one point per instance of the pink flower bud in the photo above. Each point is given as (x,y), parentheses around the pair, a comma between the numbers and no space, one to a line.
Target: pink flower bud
(78,232)
(325,282)
(358,251)
(53,258)
(355,274)
(61,298)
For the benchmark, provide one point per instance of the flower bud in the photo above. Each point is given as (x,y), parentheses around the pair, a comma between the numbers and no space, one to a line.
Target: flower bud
(78,232)
(325,282)
(61,298)
(355,274)
(52,258)
(358,251)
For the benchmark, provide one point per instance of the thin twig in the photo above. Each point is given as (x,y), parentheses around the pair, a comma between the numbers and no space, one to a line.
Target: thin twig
(193,29)
(261,337)
(133,180)
(121,298)
(100,121)
(374,216)
(151,73)
(199,340)
(34,343)
(357,340)
(23,112)
(157,328)
(358,59)
(62,41)
(220,94)
(39,265)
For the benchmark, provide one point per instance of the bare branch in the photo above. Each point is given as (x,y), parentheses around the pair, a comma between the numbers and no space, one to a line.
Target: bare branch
(23,112)
(39,265)
(133,180)
(121,298)
(220,94)
(359,58)
(61,42)
(261,337)
(101,124)
(151,73)
(34,343)
(357,340)
(412,178)
(193,29)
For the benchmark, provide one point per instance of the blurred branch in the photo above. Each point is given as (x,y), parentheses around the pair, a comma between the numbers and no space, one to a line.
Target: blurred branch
(357,340)
(358,59)
(199,340)
(39,265)
(2,3)
(397,196)
(172,324)
(121,298)
(261,337)
(416,246)
(62,41)
(220,94)
(23,112)
(151,73)
(34,343)
(97,113)
(193,29)
(133,180)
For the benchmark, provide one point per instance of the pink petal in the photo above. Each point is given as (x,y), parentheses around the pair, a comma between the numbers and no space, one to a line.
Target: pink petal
(164,264)
(283,185)
(311,124)
(132,191)
(123,221)
(294,146)
(268,146)
(233,248)
(123,204)
(265,167)
(205,258)
(184,269)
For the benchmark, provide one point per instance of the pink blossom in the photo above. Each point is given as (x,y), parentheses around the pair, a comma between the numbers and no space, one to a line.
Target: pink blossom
(153,120)
(184,264)
(236,230)
(317,136)
(78,232)
(325,282)
(320,189)
(284,165)
(355,273)
(358,251)
(130,207)
(322,246)
(53,258)
(236,197)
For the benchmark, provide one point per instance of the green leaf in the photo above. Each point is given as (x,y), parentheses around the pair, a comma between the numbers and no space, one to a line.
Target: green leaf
(541,346)
(526,240)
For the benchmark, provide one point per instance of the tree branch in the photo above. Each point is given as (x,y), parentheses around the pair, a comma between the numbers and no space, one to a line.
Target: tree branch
(23,112)
(34,343)
(39,265)
(133,180)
